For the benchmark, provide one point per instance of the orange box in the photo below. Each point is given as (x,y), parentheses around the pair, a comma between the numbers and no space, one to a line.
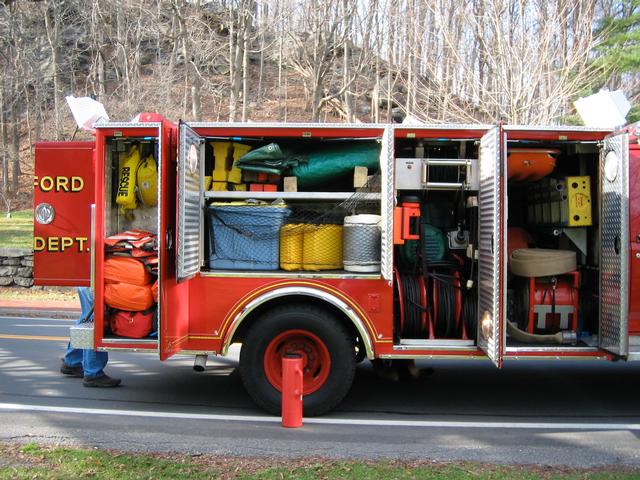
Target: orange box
(270,188)
(256,187)
(530,164)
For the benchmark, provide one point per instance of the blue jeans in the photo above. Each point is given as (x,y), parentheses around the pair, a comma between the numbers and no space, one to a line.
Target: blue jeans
(92,362)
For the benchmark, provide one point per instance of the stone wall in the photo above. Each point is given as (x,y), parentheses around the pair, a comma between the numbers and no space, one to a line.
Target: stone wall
(16,267)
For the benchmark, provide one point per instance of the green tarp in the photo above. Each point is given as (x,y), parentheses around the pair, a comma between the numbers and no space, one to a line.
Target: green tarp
(315,165)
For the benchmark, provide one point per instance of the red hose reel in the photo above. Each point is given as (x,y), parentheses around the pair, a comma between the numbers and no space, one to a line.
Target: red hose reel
(553,303)
(418,307)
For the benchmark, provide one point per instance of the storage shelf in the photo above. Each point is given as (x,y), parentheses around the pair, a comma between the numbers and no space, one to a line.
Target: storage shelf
(343,274)
(111,338)
(290,195)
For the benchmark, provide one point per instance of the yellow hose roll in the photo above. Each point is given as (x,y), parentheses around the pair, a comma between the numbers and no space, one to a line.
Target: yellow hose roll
(291,238)
(127,171)
(148,182)
(322,247)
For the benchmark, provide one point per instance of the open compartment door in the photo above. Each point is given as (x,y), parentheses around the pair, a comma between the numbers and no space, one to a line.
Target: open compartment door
(62,196)
(492,205)
(189,251)
(386,205)
(614,245)
(173,304)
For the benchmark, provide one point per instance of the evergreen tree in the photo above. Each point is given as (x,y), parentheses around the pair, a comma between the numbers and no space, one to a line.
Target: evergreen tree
(619,51)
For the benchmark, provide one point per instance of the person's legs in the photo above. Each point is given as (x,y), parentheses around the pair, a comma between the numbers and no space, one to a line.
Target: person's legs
(93,363)
(85,294)
(73,358)
(72,362)
(94,376)
(87,363)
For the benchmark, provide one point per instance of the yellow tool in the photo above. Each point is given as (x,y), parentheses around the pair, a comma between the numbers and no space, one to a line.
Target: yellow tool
(147,182)
(220,158)
(128,168)
(239,150)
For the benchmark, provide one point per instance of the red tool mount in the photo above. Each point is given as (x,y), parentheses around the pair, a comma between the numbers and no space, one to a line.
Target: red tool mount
(292,391)
(553,303)
(406,218)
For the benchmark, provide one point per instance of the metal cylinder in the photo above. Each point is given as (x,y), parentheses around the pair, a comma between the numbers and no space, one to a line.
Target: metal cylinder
(361,244)
(444,185)
(200,363)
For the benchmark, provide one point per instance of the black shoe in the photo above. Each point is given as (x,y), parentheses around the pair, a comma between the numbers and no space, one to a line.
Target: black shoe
(72,371)
(103,381)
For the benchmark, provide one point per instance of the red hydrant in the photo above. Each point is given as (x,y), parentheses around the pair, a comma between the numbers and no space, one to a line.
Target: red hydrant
(292,391)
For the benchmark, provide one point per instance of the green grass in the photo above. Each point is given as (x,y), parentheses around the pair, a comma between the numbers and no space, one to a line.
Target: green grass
(17,231)
(34,461)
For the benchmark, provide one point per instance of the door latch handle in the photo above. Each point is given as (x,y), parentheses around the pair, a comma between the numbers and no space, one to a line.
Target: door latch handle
(168,238)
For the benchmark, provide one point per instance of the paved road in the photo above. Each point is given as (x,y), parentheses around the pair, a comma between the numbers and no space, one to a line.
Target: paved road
(578,414)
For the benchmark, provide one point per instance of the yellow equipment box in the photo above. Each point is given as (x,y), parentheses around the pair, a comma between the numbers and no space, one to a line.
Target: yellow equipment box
(579,201)
(560,202)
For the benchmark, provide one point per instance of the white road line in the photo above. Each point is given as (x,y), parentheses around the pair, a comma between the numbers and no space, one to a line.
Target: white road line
(38,325)
(326,421)
(41,319)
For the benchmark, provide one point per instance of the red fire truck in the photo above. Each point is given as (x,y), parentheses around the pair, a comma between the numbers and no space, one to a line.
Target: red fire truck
(463,242)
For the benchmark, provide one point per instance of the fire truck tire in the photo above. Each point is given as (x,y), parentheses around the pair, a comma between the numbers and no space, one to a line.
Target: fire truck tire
(323,342)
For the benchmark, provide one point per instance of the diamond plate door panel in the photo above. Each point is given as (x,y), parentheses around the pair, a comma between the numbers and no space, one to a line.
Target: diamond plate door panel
(81,335)
(491,203)
(614,245)
(386,205)
(190,203)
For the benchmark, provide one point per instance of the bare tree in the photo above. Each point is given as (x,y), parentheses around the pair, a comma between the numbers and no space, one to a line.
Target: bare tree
(51,12)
